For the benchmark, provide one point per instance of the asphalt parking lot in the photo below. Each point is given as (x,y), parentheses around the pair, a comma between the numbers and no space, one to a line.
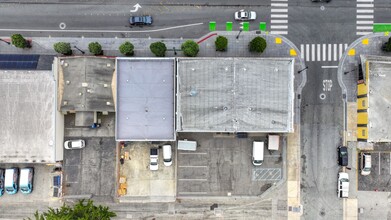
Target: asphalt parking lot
(91,170)
(42,185)
(221,166)
(380,176)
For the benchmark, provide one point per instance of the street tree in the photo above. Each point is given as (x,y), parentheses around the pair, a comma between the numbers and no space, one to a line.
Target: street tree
(221,43)
(63,48)
(258,44)
(190,48)
(18,41)
(127,48)
(158,48)
(387,46)
(95,48)
(84,210)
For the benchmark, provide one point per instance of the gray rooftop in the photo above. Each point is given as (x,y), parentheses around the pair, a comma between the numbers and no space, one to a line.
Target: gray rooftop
(85,84)
(379,129)
(27,132)
(145,99)
(235,95)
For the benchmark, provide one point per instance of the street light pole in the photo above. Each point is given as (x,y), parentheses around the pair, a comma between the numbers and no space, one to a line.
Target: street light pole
(240,31)
(79,49)
(5,41)
(298,72)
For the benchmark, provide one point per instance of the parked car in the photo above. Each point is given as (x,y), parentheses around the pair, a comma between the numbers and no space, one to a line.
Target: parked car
(366,164)
(74,144)
(343,185)
(167,155)
(11,180)
(154,156)
(2,172)
(342,156)
(141,20)
(258,150)
(26,180)
(243,15)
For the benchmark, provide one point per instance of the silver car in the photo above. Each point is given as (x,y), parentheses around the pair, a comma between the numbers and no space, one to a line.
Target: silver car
(243,15)
(74,144)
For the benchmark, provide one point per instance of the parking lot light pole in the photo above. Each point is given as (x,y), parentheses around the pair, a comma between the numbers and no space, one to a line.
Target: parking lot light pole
(79,49)
(5,41)
(240,31)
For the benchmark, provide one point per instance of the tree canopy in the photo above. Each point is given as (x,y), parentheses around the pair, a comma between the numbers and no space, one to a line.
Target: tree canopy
(126,48)
(258,44)
(190,48)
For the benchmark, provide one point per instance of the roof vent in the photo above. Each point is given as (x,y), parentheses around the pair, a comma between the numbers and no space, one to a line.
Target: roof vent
(65,102)
(65,64)
(108,65)
(84,84)
(80,93)
(89,90)
(68,82)
(105,85)
(108,103)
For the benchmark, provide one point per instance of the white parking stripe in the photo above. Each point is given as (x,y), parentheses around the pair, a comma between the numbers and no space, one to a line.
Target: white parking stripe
(279,4)
(313,52)
(364,33)
(279,32)
(302,50)
(279,21)
(274,10)
(329,67)
(365,11)
(318,52)
(364,5)
(335,52)
(191,193)
(340,51)
(278,16)
(307,52)
(324,52)
(364,22)
(329,52)
(278,26)
(364,16)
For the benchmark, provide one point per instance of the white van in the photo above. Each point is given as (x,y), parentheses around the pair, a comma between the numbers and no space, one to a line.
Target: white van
(167,155)
(366,164)
(11,180)
(26,180)
(258,148)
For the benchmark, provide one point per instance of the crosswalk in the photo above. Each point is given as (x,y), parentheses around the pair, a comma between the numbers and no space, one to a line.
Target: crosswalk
(279,17)
(322,52)
(364,16)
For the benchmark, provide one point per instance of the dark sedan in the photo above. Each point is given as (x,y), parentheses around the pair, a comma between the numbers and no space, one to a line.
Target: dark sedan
(140,20)
(342,156)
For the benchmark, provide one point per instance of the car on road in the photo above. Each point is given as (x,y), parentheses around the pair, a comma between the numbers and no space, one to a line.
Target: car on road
(2,172)
(153,157)
(343,185)
(342,156)
(141,20)
(243,15)
(74,144)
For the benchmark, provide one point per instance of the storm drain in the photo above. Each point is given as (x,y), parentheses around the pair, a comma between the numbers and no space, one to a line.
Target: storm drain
(262,174)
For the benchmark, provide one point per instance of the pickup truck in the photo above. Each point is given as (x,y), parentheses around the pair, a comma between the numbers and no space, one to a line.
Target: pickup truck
(343,185)
(154,156)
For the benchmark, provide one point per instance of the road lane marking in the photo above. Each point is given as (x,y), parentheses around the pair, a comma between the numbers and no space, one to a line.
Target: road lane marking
(279,21)
(364,5)
(340,50)
(364,27)
(279,32)
(329,67)
(307,52)
(274,10)
(364,0)
(364,22)
(329,52)
(278,27)
(324,52)
(318,52)
(364,32)
(335,52)
(313,52)
(302,50)
(364,16)
(278,16)
(279,5)
(369,11)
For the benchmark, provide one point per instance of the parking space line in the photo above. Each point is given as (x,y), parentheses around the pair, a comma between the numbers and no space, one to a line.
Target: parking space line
(192,180)
(194,153)
(193,166)
(183,193)
(379,163)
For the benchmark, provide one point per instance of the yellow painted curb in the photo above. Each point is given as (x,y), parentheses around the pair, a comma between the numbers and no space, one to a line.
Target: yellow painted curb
(293,52)
(352,52)
(278,40)
(365,41)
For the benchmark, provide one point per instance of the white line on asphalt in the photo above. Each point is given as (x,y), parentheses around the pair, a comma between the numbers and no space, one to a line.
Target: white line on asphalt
(364,16)
(312,52)
(302,50)
(279,32)
(279,21)
(364,22)
(365,11)
(340,50)
(335,52)
(279,4)
(274,10)
(188,193)
(192,179)
(379,163)
(345,46)
(279,0)
(318,52)
(364,5)
(329,52)
(364,0)
(329,67)
(194,153)
(278,16)
(193,166)
(307,52)
(364,27)
(324,52)
(102,31)
(278,26)
(363,33)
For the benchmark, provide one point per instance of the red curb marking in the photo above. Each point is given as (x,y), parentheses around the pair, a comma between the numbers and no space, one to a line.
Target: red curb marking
(207,37)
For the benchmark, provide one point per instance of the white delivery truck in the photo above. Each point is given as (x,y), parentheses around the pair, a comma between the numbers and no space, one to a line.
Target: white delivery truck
(258,149)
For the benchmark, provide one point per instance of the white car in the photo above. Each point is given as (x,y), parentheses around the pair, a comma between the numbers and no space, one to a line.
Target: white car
(243,15)
(167,155)
(154,159)
(74,144)
(343,185)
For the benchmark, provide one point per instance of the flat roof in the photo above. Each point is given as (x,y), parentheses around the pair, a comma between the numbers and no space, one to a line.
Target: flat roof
(85,83)
(379,99)
(235,94)
(27,132)
(145,99)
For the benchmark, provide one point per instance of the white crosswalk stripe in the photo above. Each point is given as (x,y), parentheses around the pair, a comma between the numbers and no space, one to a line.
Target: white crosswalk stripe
(279,15)
(322,52)
(364,24)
